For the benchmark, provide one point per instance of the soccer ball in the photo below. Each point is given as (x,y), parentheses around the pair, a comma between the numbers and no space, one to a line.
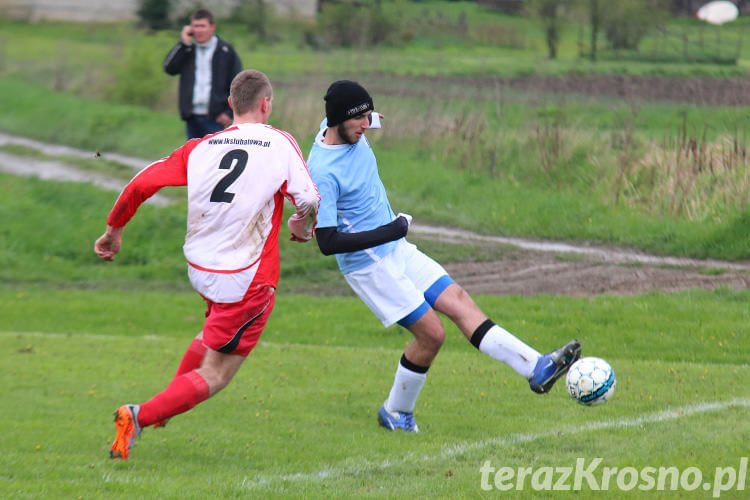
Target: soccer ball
(591,381)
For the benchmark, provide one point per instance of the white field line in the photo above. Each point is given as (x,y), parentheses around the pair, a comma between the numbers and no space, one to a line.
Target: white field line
(83,335)
(285,345)
(358,466)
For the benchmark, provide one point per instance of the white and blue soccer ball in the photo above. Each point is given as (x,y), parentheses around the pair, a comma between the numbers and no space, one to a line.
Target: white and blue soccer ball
(591,381)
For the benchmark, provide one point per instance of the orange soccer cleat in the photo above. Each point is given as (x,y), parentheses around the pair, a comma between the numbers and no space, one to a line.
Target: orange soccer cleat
(128,430)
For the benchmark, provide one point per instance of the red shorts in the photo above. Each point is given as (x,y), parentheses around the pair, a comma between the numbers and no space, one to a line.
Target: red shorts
(236,327)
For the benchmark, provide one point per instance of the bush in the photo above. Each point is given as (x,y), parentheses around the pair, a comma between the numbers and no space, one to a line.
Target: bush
(258,17)
(357,24)
(154,14)
(626,23)
(139,78)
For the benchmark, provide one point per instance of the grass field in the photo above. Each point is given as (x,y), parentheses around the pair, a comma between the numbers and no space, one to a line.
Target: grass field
(299,419)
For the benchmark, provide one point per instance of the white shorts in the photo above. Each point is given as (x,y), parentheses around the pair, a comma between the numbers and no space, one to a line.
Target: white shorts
(223,288)
(403,282)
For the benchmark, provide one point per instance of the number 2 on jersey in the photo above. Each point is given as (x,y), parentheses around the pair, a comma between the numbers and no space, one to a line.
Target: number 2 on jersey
(220,194)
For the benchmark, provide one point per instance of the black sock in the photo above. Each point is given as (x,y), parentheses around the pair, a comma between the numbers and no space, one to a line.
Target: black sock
(411,366)
(480,332)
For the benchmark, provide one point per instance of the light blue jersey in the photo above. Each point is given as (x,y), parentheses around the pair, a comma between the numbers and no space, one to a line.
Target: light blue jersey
(352,196)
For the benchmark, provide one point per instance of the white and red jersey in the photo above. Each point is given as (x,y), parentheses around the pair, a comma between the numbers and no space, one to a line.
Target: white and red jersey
(237,180)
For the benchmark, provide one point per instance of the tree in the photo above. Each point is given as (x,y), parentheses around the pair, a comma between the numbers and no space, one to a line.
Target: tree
(595,18)
(547,10)
(626,23)
(256,16)
(154,13)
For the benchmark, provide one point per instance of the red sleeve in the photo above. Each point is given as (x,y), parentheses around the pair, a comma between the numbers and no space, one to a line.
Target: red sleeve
(169,171)
(299,187)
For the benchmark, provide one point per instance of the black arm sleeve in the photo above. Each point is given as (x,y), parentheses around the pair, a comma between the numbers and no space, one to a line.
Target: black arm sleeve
(331,241)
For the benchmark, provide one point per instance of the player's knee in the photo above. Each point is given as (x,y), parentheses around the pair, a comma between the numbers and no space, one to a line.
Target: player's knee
(455,302)
(462,296)
(216,379)
(428,331)
(435,338)
(440,339)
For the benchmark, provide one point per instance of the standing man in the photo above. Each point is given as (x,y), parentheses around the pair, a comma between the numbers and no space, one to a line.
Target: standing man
(399,283)
(206,68)
(236,182)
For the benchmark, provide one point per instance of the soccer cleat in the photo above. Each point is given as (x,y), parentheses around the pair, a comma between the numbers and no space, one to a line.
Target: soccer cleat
(554,365)
(397,420)
(128,430)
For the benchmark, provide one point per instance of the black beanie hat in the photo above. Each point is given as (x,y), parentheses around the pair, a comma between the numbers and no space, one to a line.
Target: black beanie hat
(346,99)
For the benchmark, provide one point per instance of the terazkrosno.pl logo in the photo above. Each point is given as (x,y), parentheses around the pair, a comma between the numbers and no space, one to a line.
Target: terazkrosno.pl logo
(590,475)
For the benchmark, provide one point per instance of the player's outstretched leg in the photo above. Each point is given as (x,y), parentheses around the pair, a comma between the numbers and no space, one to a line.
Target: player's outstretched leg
(128,430)
(397,420)
(554,365)
(192,360)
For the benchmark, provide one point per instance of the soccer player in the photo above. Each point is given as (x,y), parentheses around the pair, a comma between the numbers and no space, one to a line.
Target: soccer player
(399,283)
(236,180)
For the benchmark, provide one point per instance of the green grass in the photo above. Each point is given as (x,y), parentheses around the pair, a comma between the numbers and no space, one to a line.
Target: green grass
(299,419)
(88,123)
(66,219)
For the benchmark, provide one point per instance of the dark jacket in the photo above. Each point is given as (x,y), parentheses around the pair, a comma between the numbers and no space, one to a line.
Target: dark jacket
(224,66)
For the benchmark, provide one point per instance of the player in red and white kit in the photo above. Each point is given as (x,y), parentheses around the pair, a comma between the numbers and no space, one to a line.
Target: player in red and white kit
(237,180)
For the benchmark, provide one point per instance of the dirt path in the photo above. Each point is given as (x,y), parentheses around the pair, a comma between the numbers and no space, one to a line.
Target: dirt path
(532,267)
(60,171)
(536,267)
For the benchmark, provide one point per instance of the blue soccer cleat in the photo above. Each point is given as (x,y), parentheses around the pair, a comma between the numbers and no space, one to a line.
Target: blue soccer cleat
(554,365)
(397,420)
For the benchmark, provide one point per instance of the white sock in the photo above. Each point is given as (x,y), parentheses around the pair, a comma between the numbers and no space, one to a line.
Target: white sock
(503,346)
(406,388)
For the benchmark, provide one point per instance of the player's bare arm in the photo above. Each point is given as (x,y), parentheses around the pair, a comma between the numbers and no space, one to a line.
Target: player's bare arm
(302,223)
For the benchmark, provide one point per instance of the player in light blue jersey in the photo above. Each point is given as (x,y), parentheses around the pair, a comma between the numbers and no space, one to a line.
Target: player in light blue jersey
(399,283)
(356,200)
